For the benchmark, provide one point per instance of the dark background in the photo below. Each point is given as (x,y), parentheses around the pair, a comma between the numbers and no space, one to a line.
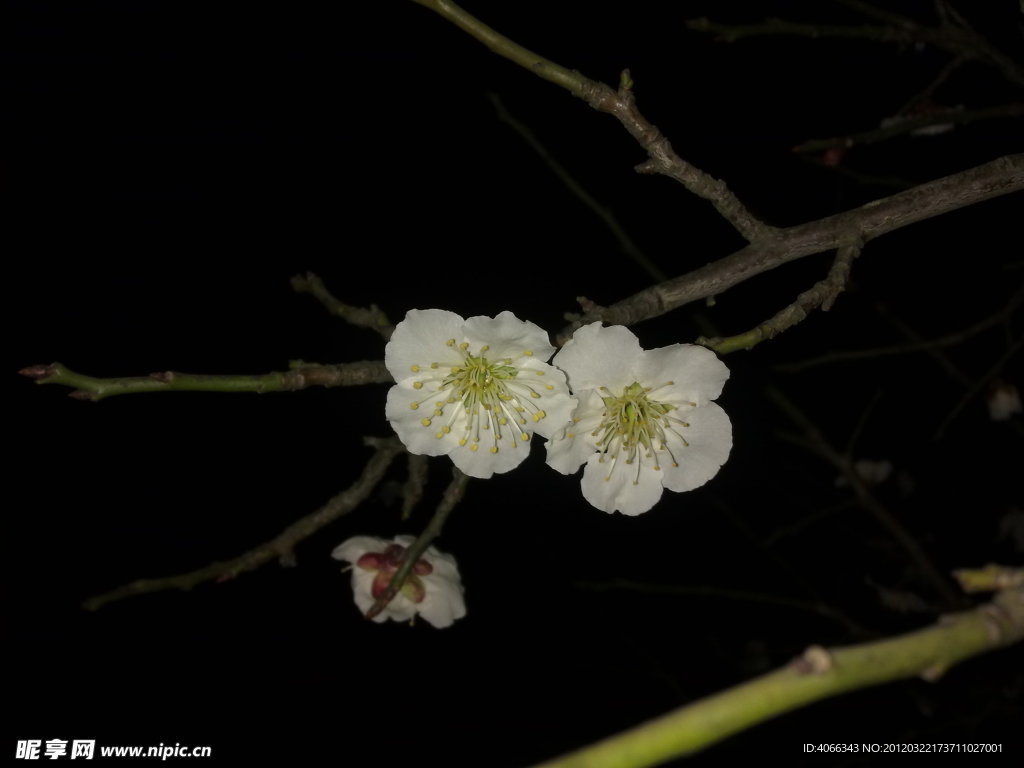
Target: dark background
(174,164)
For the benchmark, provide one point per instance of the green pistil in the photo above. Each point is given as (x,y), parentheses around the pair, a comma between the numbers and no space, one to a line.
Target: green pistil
(633,421)
(485,390)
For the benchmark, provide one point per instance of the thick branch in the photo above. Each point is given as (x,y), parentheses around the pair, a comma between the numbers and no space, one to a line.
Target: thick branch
(817,674)
(935,198)
(281,546)
(302,376)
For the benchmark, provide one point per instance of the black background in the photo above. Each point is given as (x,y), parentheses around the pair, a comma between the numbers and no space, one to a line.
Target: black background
(174,164)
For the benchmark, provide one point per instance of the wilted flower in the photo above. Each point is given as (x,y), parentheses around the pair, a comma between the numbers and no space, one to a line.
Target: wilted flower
(645,419)
(1003,401)
(433,588)
(473,389)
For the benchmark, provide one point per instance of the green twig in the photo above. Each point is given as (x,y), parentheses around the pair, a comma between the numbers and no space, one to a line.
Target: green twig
(301,376)
(822,294)
(817,674)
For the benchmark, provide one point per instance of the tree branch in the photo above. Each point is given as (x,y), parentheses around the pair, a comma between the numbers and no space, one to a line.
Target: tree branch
(935,198)
(452,495)
(915,553)
(281,547)
(302,376)
(362,317)
(620,104)
(952,35)
(822,294)
(817,674)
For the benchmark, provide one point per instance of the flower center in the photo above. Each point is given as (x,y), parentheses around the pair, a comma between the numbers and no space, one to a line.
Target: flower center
(386,563)
(634,424)
(480,396)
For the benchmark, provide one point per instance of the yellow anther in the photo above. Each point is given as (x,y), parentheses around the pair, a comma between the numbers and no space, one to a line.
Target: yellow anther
(414,406)
(474,447)
(433,366)
(462,441)
(438,412)
(494,449)
(535,395)
(417,385)
(450,342)
(549,386)
(523,436)
(464,346)
(446,429)
(414,368)
(425,422)
(539,373)
(570,435)
(503,421)
(528,353)
(539,415)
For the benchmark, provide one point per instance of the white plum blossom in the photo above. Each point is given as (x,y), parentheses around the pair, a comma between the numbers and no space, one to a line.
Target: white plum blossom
(474,389)
(432,590)
(645,420)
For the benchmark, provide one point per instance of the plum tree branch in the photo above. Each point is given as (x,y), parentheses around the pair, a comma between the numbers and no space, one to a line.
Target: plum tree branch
(620,104)
(998,177)
(817,674)
(300,376)
(282,546)
(452,496)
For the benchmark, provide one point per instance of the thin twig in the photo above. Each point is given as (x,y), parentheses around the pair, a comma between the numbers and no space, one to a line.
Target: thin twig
(415,482)
(626,244)
(948,340)
(906,125)
(916,554)
(620,104)
(371,317)
(822,294)
(281,547)
(452,496)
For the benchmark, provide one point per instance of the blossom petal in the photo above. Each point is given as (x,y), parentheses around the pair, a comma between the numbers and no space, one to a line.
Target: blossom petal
(352,549)
(408,423)
(554,399)
(696,373)
(596,356)
(483,463)
(619,487)
(567,452)
(507,336)
(444,602)
(709,438)
(420,340)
